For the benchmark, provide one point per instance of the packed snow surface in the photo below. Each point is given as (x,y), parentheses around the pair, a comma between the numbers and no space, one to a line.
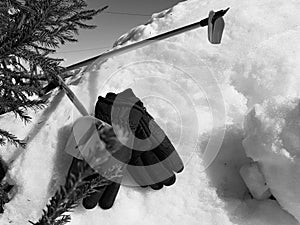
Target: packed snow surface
(200,94)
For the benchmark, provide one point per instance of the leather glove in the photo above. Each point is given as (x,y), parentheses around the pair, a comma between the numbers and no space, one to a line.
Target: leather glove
(154,159)
(150,157)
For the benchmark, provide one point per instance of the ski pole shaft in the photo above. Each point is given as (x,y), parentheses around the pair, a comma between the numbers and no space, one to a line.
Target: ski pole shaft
(72,97)
(159,37)
(148,41)
(128,48)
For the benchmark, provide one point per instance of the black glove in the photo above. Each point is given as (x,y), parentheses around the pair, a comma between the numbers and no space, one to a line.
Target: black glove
(103,195)
(155,165)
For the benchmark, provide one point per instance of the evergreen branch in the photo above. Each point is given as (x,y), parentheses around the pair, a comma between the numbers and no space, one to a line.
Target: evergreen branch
(77,186)
(20,107)
(30,30)
(6,136)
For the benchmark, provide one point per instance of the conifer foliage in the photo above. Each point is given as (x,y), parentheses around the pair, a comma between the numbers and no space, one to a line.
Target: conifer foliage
(30,31)
(83,182)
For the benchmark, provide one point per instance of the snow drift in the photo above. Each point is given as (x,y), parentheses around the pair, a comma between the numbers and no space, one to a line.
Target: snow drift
(195,91)
(272,139)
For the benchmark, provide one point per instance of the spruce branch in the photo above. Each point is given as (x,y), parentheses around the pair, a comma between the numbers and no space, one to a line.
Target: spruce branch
(29,32)
(79,184)
(6,136)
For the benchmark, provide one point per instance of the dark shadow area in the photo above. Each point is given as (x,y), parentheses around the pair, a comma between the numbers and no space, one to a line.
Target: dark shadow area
(3,169)
(3,189)
(62,160)
(224,171)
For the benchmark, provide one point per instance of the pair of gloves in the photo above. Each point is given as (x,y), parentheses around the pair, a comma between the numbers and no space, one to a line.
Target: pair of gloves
(148,157)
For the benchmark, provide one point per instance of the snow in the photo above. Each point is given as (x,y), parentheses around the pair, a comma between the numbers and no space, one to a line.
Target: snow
(255,181)
(272,131)
(200,94)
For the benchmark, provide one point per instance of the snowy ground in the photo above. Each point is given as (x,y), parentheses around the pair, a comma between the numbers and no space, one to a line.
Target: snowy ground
(200,94)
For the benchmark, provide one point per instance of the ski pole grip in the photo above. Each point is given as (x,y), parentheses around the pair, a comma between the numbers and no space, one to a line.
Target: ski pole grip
(217,15)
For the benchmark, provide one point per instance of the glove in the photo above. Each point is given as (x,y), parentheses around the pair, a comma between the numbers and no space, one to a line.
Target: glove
(98,159)
(150,157)
(153,159)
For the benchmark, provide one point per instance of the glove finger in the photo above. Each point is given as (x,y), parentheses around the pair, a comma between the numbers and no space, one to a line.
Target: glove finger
(138,172)
(158,173)
(91,201)
(169,158)
(170,181)
(165,150)
(156,186)
(74,168)
(107,199)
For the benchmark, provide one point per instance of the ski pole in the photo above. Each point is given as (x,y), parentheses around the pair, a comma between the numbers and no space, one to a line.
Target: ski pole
(160,37)
(72,97)
(150,40)
(205,22)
